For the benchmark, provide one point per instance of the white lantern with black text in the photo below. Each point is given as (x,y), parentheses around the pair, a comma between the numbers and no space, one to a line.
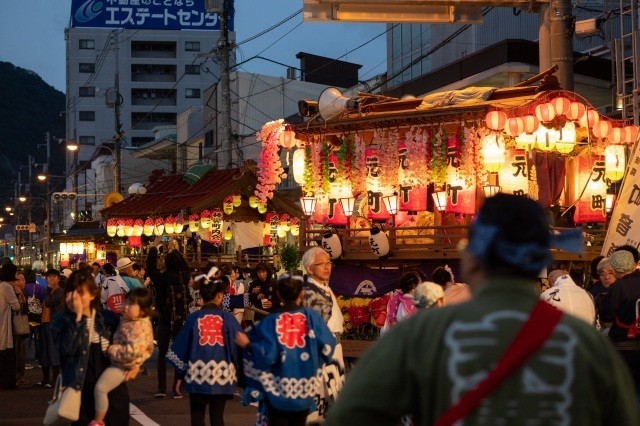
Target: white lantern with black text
(331,244)
(379,242)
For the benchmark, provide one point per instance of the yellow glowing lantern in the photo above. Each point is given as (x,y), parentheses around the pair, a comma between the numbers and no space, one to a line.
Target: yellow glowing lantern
(120,231)
(237,200)
(590,119)
(91,247)
(493,152)
(194,222)
(630,134)
(281,231)
(576,111)
(614,160)
(496,120)
(112,226)
(616,135)
(525,140)
(63,246)
(128,227)
(179,224)
(205,219)
(295,226)
(158,229)
(514,126)
(227,206)
(148,227)
(567,140)
(602,129)
(545,112)
(228,234)
(262,208)
(547,138)
(253,201)
(298,166)
(138,227)
(169,225)
(561,105)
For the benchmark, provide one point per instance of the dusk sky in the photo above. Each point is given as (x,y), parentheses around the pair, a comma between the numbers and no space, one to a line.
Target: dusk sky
(33,38)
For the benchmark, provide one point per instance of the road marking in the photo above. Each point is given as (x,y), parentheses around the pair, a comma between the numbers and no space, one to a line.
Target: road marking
(140,417)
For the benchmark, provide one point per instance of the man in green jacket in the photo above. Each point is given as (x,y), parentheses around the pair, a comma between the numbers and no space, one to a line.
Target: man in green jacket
(427,363)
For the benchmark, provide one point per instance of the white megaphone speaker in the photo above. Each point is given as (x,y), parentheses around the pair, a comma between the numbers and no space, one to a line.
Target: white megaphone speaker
(332,103)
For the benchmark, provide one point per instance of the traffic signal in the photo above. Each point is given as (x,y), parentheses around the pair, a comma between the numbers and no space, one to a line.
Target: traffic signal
(61,196)
(22,227)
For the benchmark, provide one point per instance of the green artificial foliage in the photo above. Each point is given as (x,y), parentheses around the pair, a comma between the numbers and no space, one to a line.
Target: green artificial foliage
(290,257)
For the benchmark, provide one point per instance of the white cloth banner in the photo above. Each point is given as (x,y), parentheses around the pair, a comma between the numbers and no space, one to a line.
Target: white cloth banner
(624,227)
(248,234)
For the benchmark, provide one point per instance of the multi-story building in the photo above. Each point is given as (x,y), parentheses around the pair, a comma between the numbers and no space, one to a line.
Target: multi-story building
(131,67)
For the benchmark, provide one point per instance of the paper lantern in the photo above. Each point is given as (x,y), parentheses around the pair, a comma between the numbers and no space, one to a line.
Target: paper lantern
(602,129)
(284,222)
(561,105)
(514,126)
(169,225)
(179,224)
(295,226)
(216,226)
(298,166)
(525,140)
(617,135)
(379,242)
(253,201)
(194,222)
(545,112)
(120,231)
(128,227)
(237,200)
(227,206)
(149,224)
(496,120)
(590,119)
(630,134)
(546,138)
(531,123)
(493,152)
(412,195)
(287,137)
(331,244)
(262,208)
(514,176)
(281,231)
(91,246)
(614,162)
(112,227)
(205,219)
(158,228)
(375,188)
(567,141)
(576,111)
(590,178)
(138,227)
(440,200)
(228,234)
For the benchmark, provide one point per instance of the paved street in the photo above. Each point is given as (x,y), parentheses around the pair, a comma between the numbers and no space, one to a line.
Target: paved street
(27,404)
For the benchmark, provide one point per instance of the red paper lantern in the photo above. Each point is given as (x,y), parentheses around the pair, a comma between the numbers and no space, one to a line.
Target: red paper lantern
(602,129)
(590,119)
(561,105)
(590,172)
(496,120)
(576,111)
(545,112)
(531,123)
(617,135)
(287,137)
(514,126)
(630,134)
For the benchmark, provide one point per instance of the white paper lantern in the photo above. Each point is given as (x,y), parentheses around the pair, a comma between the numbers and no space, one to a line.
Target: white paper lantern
(379,242)
(298,166)
(331,244)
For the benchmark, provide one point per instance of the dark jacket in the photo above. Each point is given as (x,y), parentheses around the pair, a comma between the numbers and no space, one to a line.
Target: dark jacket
(620,305)
(268,289)
(162,281)
(72,341)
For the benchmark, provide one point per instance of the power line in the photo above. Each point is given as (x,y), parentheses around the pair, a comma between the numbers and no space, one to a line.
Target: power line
(274,26)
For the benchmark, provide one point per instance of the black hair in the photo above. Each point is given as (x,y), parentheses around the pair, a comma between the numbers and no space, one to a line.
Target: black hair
(409,281)
(594,267)
(519,221)
(226,282)
(8,272)
(52,271)
(29,276)
(109,269)
(631,249)
(142,297)
(82,280)
(136,267)
(174,261)
(226,270)
(290,287)
(96,264)
(210,289)
(85,266)
(441,276)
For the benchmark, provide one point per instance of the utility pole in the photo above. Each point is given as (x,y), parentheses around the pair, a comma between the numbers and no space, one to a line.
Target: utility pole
(225,127)
(47,219)
(561,29)
(117,140)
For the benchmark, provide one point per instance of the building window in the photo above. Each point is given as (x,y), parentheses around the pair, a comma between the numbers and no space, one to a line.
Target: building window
(87,140)
(87,92)
(192,69)
(87,116)
(90,68)
(139,140)
(192,46)
(192,93)
(87,44)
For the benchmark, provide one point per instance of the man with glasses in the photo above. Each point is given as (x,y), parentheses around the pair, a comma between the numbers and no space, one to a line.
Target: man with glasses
(318,296)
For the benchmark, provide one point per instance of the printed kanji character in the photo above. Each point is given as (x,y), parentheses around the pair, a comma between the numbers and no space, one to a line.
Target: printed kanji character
(624,224)
(210,330)
(291,329)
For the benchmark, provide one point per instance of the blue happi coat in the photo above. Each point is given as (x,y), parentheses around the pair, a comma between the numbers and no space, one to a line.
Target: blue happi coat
(205,352)
(285,357)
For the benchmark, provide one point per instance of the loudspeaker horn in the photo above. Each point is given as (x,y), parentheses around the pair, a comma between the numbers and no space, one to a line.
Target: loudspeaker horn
(332,103)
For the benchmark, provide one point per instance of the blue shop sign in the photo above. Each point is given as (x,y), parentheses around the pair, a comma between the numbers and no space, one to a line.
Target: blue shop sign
(144,14)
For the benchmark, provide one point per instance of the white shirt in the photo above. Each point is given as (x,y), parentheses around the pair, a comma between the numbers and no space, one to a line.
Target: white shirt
(568,297)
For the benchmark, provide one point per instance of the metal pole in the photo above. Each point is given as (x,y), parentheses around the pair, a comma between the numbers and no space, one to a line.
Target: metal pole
(117,179)
(224,83)
(544,38)
(47,219)
(562,41)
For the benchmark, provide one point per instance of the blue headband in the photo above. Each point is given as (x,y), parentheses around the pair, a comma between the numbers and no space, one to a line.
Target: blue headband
(529,257)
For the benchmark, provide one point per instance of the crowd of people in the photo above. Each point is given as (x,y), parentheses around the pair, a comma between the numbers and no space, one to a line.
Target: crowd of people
(499,348)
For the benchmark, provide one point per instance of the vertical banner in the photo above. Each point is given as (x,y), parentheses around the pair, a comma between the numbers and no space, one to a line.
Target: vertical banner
(411,197)
(461,198)
(375,209)
(272,220)
(336,191)
(514,176)
(625,219)
(216,226)
(589,174)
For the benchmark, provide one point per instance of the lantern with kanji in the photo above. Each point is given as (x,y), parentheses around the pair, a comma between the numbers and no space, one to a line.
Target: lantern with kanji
(614,161)
(169,225)
(338,188)
(112,227)
(295,226)
(149,225)
(227,206)
(378,242)
(158,228)
(128,227)
(120,231)
(194,222)
(272,220)
(179,224)
(412,195)
(493,152)
(514,176)
(205,219)
(138,227)
(590,179)
(546,138)
(567,140)
(375,207)
(331,244)
(216,226)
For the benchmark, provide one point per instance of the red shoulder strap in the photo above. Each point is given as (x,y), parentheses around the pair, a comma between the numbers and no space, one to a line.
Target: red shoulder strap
(535,331)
